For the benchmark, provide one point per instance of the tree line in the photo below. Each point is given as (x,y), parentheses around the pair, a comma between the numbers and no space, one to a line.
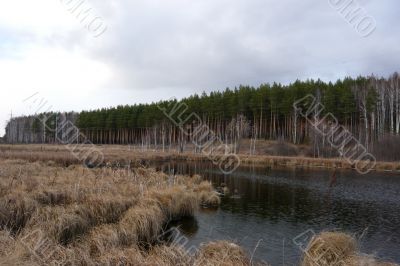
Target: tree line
(369,107)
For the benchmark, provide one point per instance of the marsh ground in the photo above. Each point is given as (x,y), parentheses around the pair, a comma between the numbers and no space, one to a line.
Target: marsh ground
(55,211)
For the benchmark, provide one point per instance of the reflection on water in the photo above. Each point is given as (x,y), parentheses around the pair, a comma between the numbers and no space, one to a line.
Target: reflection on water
(271,207)
(188,226)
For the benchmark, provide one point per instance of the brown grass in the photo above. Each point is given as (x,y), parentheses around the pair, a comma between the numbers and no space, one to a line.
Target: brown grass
(222,253)
(207,196)
(114,154)
(51,197)
(210,199)
(6,242)
(127,256)
(95,216)
(114,217)
(15,211)
(339,249)
(329,248)
(168,255)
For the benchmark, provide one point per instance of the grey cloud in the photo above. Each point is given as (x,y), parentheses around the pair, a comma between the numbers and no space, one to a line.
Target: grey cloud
(214,44)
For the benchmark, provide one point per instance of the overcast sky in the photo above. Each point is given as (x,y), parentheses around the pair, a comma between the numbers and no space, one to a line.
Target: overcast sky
(156,49)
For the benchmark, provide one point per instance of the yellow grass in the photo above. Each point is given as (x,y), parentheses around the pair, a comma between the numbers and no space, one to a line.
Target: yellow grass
(339,249)
(222,253)
(208,197)
(117,154)
(95,216)
(114,217)
(329,249)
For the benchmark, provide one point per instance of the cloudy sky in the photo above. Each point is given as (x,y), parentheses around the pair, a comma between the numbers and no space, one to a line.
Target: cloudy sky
(131,51)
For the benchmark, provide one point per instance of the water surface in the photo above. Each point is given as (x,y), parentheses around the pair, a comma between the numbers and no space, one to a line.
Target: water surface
(269,208)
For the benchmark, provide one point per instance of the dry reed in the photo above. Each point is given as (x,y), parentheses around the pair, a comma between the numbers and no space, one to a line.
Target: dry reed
(339,249)
(114,154)
(222,253)
(114,217)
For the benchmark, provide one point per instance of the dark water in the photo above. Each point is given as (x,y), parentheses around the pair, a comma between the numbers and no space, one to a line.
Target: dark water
(272,207)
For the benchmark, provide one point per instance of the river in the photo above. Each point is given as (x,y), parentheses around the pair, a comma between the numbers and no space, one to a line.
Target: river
(268,209)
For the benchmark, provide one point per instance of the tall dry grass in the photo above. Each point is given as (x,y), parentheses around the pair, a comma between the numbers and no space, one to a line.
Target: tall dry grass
(95,216)
(114,217)
(114,155)
(222,253)
(339,249)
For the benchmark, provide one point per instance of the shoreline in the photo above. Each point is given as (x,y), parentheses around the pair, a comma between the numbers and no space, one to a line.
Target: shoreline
(118,153)
(89,225)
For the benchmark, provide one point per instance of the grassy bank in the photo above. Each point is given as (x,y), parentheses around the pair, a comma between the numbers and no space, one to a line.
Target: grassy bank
(53,215)
(90,218)
(123,154)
